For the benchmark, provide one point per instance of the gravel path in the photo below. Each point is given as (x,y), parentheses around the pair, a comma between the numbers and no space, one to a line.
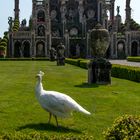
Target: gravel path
(125,62)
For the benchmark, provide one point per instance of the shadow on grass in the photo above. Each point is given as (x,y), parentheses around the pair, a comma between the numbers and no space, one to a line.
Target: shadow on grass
(48,127)
(86,85)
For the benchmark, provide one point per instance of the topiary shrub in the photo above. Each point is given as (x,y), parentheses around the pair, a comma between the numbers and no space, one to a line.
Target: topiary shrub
(2,51)
(126,127)
(16,25)
(3,43)
(126,72)
(133,59)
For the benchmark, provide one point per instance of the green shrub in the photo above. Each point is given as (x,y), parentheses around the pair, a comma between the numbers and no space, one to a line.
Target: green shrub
(4,39)
(83,64)
(75,62)
(2,48)
(16,25)
(2,51)
(41,136)
(3,43)
(126,127)
(134,59)
(126,72)
(25,59)
(118,71)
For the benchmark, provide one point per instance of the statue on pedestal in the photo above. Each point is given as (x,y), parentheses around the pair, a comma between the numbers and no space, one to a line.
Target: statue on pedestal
(60,55)
(10,22)
(52,54)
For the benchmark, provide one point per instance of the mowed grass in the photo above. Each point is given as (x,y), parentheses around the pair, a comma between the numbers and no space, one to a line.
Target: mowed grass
(20,111)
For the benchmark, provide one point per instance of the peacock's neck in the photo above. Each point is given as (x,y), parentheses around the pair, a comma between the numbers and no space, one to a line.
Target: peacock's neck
(39,87)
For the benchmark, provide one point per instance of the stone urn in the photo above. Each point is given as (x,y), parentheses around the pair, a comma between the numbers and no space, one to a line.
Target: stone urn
(99,41)
(99,69)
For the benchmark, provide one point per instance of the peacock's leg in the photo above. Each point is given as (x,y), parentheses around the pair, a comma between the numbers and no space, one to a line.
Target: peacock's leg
(56,120)
(50,118)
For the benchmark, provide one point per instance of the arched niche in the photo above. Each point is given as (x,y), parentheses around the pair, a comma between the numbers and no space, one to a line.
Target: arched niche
(77,49)
(121,49)
(17,49)
(26,49)
(40,49)
(134,48)
(41,16)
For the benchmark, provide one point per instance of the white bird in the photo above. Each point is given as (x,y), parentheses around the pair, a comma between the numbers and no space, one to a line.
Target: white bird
(56,103)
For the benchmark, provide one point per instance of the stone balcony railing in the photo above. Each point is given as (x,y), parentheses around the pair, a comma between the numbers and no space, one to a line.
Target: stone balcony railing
(135,34)
(22,34)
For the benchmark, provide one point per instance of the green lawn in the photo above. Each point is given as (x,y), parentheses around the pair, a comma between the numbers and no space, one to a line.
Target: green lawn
(20,111)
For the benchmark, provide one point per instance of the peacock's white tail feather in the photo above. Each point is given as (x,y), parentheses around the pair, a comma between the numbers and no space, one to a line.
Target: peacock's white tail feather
(81,109)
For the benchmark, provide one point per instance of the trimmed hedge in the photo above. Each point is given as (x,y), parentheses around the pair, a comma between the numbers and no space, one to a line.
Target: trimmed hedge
(126,72)
(41,136)
(25,59)
(134,59)
(118,71)
(126,127)
(77,62)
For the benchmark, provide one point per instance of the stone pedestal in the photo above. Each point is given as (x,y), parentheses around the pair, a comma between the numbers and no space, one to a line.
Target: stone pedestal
(99,71)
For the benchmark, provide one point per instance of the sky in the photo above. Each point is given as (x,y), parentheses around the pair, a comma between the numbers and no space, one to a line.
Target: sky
(7,6)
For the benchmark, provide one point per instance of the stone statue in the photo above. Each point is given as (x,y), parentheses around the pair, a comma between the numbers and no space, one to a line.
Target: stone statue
(24,22)
(118,10)
(60,55)
(52,54)
(128,14)
(10,22)
(41,31)
(128,3)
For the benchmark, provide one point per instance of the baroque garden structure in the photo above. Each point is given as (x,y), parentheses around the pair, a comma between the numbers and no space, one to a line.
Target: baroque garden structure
(70,22)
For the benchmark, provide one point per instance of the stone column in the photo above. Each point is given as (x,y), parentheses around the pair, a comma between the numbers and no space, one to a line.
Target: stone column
(128,42)
(128,14)
(81,11)
(63,11)
(88,45)
(112,11)
(66,35)
(98,12)
(16,10)
(13,43)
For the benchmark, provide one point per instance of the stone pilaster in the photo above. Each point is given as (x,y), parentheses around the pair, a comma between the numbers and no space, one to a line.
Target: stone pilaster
(16,10)
(128,15)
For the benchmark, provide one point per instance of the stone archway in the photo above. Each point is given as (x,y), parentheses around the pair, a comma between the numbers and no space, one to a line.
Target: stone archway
(77,49)
(26,49)
(72,50)
(121,50)
(134,48)
(40,49)
(17,49)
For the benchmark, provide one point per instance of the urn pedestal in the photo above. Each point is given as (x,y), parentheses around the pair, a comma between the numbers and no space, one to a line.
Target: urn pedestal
(99,69)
